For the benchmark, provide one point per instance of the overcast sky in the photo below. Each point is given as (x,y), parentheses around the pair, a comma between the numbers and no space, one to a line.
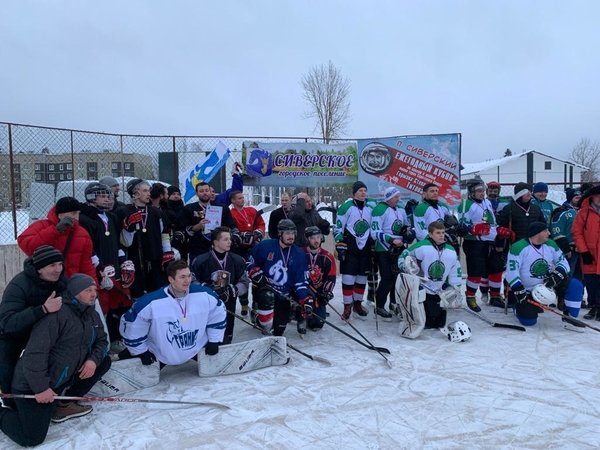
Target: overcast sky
(505,74)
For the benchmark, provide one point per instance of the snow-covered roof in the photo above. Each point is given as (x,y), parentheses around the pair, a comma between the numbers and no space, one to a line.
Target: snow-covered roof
(471,168)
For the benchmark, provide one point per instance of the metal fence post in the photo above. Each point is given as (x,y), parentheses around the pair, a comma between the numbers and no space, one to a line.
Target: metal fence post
(12,180)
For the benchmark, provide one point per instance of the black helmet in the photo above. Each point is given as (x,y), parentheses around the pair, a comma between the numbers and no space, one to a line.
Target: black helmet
(450,221)
(95,188)
(473,185)
(285,225)
(312,231)
(132,184)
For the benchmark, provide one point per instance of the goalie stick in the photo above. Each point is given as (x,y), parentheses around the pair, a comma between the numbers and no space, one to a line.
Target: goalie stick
(120,400)
(566,318)
(492,323)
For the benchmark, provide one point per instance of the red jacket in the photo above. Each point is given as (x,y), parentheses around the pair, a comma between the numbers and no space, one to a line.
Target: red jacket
(586,233)
(44,232)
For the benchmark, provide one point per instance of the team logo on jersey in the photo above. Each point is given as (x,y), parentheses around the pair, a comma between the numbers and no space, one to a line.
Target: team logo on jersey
(180,338)
(360,227)
(488,217)
(315,276)
(539,268)
(397,227)
(435,272)
(278,273)
(270,256)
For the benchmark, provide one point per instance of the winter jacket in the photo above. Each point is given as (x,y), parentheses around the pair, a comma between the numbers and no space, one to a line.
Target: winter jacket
(276,216)
(43,232)
(586,232)
(304,218)
(106,248)
(514,217)
(59,344)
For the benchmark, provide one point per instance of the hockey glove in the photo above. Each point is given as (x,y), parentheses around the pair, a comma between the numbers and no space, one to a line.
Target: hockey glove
(147,358)
(64,223)
(226,292)
(505,233)
(167,258)
(480,229)
(211,348)
(130,222)
(127,273)
(306,305)
(179,240)
(325,297)
(408,234)
(340,250)
(461,230)
(520,294)
(258,236)
(554,278)
(106,275)
(587,258)
(257,277)
(236,239)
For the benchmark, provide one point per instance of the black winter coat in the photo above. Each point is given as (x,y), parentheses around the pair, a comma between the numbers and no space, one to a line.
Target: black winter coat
(59,344)
(304,218)
(106,248)
(514,217)
(274,219)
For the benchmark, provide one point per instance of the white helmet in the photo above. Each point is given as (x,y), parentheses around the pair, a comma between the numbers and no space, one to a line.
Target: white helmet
(457,331)
(544,295)
(409,265)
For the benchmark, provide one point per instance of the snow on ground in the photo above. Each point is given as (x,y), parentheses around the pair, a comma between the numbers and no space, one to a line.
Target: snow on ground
(502,389)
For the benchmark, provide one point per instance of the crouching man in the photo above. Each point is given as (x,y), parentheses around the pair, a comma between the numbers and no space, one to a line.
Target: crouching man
(67,352)
(174,323)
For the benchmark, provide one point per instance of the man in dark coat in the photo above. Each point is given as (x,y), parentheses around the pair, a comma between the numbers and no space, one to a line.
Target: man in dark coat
(279,214)
(28,297)
(305,215)
(67,352)
(520,213)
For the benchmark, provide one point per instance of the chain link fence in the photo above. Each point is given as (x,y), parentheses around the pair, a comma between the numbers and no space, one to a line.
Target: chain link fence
(38,165)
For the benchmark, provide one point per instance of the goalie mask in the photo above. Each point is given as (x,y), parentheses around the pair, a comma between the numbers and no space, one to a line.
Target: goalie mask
(457,331)
(544,295)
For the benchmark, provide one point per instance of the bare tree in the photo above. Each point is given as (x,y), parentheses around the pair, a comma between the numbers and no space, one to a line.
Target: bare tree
(587,153)
(327,92)
(508,152)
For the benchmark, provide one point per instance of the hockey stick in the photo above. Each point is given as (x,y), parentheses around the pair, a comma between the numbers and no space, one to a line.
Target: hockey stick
(290,346)
(566,318)
(492,323)
(120,400)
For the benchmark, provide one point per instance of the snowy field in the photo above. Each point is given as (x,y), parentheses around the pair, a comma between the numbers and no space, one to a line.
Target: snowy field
(502,389)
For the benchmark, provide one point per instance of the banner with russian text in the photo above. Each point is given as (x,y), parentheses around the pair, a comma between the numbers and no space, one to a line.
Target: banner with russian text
(409,163)
(299,164)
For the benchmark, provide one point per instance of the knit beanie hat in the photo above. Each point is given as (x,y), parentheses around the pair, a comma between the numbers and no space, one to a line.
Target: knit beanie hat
(520,190)
(173,189)
(67,204)
(108,181)
(357,185)
(45,255)
(390,193)
(540,187)
(572,193)
(78,282)
(535,228)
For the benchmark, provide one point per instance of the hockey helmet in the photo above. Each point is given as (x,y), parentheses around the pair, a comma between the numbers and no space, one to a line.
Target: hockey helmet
(285,225)
(312,231)
(450,221)
(457,331)
(544,295)
(493,185)
(93,189)
(475,185)
(132,184)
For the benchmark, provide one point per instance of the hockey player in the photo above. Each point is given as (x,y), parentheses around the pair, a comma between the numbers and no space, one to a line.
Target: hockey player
(389,228)
(532,261)
(353,247)
(439,265)
(493,189)
(174,323)
(429,210)
(483,260)
(561,222)
(224,272)
(540,194)
(115,187)
(278,268)
(193,220)
(321,274)
(146,239)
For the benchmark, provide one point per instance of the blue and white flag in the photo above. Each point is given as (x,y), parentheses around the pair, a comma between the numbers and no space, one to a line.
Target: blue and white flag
(205,170)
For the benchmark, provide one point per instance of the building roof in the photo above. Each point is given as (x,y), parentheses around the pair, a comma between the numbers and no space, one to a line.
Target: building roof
(472,168)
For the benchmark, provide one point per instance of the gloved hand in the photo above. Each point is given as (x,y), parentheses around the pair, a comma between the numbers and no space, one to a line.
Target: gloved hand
(127,273)
(236,239)
(554,278)
(257,277)
(505,233)
(461,230)
(340,250)
(147,358)
(178,240)
(258,236)
(480,229)
(306,305)
(132,220)
(107,273)
(226,292)
(211,348)
(408,234)
(64,223)
(167,257)
(325,297)
(587,258)
(520,294)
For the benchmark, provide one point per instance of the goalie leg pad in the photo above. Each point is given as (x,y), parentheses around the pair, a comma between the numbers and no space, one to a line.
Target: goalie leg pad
(126,376)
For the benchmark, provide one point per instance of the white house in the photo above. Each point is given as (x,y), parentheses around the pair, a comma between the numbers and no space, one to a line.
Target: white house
(530,167)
